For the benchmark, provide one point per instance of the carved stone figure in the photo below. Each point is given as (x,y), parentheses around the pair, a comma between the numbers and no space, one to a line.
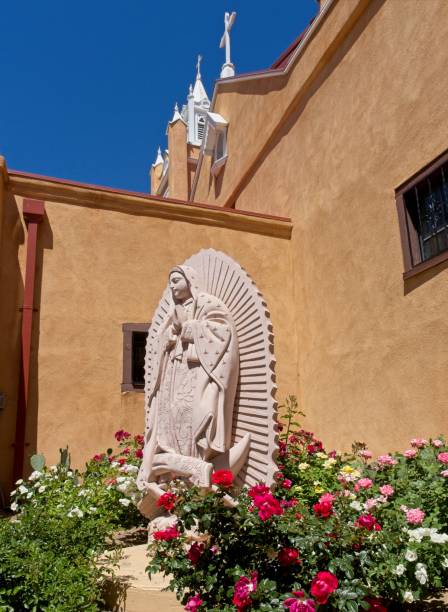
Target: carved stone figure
(208,360)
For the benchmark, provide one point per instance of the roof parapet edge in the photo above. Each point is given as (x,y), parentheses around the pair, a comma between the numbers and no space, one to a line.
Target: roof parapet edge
(71,192)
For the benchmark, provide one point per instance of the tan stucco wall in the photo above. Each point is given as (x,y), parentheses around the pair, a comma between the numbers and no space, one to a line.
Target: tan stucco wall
(373,349)
(178,166)
(104,267)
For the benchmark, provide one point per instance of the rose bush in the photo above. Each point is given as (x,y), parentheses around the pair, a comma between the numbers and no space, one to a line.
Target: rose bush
(346,532)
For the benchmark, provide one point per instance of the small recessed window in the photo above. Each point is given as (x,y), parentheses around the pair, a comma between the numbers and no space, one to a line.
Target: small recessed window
(134,348)
(422,204)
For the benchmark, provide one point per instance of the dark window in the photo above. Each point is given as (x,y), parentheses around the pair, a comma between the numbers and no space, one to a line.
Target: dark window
(134,347)
(423,213)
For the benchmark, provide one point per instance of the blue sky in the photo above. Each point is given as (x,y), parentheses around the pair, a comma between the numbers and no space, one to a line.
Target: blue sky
(89,85)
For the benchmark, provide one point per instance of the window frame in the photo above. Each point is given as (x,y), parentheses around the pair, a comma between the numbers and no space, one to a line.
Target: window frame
(412,258)
(128,329)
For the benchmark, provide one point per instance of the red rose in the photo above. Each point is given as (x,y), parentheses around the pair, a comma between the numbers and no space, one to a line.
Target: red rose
(126,450)
(139,439)
(323,509)
(375,605)
(122,435)
(166,534)
(288,556)
(139,453)
(122,461)
(242,591)
(258,490)
(287,484)
(167,501)
(323,586)
(97,457)
(367,521)
(195,552)
(222,478)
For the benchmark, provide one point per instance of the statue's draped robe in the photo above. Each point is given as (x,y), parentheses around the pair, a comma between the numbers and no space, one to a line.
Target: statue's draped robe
(192,389)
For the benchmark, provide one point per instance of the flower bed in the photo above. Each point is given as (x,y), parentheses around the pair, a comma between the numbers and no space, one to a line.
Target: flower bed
(338,532)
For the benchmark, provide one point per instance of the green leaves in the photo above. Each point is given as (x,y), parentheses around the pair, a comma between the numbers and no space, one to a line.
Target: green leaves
(37,462)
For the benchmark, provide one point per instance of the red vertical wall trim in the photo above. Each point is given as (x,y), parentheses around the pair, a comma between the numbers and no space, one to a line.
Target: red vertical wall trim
(33,213)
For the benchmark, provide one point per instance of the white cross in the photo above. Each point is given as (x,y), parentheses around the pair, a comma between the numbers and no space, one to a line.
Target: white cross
(229,20)
(198,67)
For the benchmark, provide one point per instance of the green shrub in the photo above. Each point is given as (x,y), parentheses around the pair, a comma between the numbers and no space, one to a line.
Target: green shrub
(50,551)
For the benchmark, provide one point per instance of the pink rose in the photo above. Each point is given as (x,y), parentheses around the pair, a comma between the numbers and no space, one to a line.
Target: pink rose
(437,443)
(363,483)
(258,490)
(415,516)
(298,603)
(323,586)
(410,453)
(419,442)
(242,591)
(287,484)
(371,503)
(327,497)
(387,490)
(193,603)
(267,506)
(365,454)
(386,460)
(443,458)
(444,473)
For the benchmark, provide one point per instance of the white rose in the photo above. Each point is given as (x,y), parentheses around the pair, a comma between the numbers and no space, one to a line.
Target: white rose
(439,538)
(30,495)
(19,482)
(42,489)
(13,493)
(14,507)
(356,505)
(410,555)
(400,569)
(35,475)
(83,493)
(303,466)
(408,597)
(124,502)
(445,562)
(22,489)
(421,573)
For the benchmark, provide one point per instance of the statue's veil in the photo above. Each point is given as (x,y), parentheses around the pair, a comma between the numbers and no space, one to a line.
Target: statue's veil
(255,408)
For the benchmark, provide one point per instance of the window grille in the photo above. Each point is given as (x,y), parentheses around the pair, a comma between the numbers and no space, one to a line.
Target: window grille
(423,213)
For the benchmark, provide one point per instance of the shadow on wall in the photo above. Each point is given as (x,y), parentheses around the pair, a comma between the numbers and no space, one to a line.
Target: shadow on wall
(44,241)
(11,292)
(11,302)
(417,281)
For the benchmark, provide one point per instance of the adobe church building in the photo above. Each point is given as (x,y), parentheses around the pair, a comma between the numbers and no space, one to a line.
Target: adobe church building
(325,176)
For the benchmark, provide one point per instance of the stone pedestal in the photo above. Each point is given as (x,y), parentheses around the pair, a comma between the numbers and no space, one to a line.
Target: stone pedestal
(133,591)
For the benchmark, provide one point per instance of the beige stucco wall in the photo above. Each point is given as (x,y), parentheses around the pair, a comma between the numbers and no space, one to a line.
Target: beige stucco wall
(373,349)
(106,265)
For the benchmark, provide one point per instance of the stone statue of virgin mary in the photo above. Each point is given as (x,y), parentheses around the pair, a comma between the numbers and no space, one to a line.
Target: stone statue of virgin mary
(190,391)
